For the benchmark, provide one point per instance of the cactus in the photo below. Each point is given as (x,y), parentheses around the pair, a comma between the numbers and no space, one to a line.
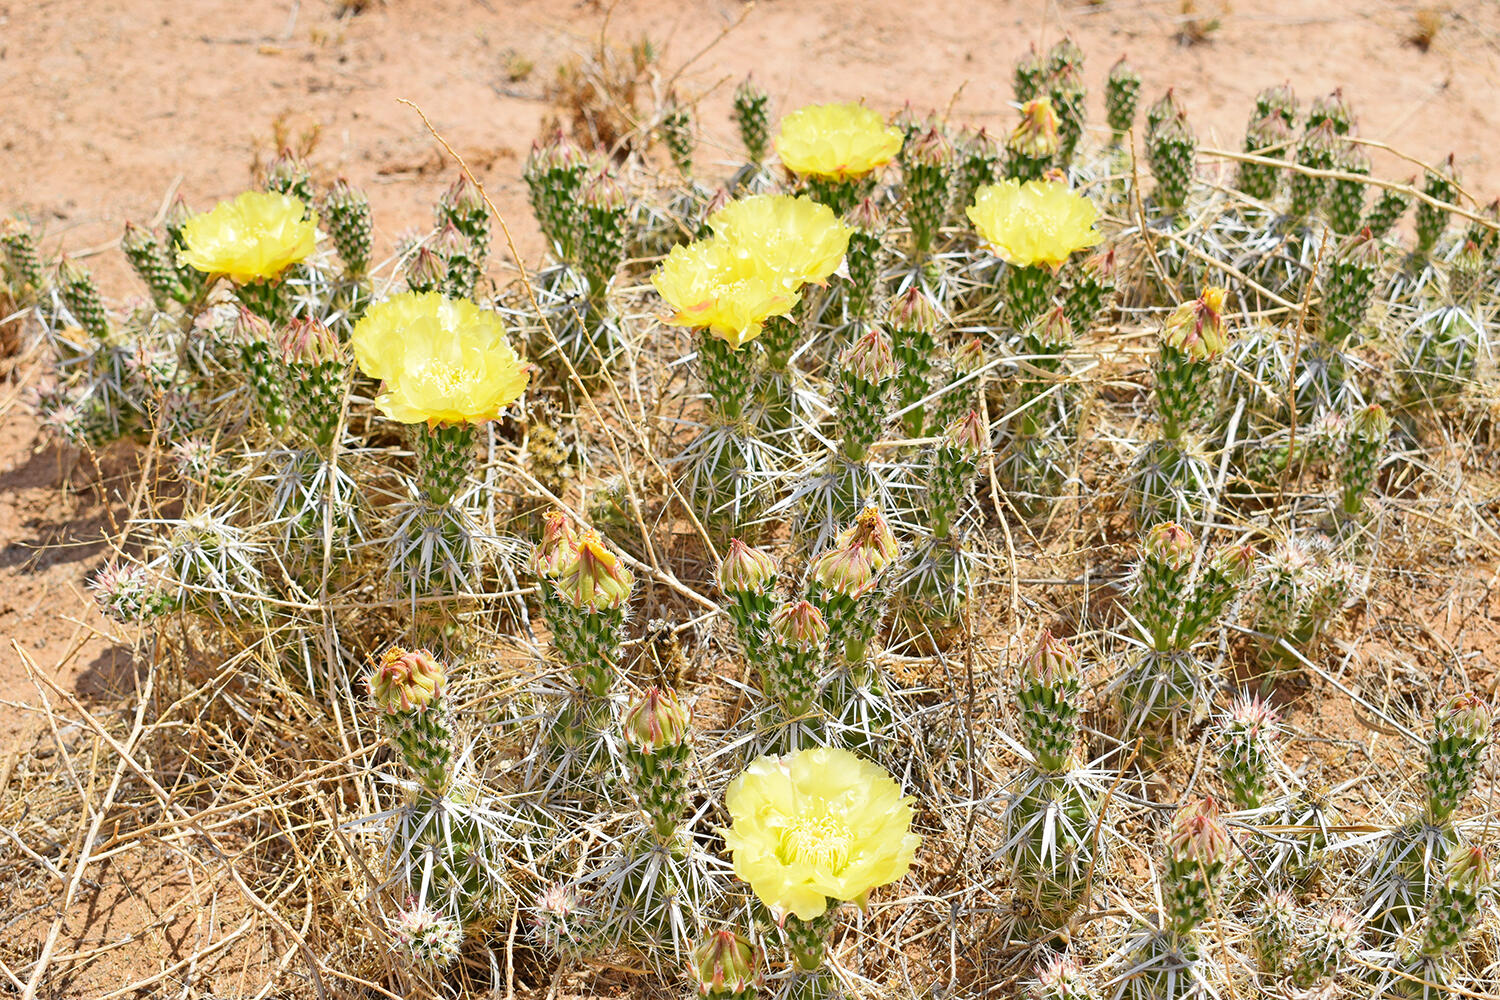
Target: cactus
(1161,582)
(346,212)
(656,754)
(975,161)
(126,593)
(1441,186)
(1089,297)
(81,295)
(1219,583)
(1278,101)
(1348,288)
(1388,210)
(1029,75)
(1122,90)
(793,656)
(1069,98)
(1346,198)
(1192,341)
(865,378)
(1047,700)
(316,370)
(865,258)
(726,966)
(1366,439)
(1060,979)
(1171,148)
(1452,915)
(751,117)
(594,586)
(409,689)
(1460,736)
(150,264)
(430,940)
(1273,932)
(927,161)
(1248,737)
(914,321)
(677,133)
(20,262)
(1267,136)
(1326,949)
(602,224)
(554,175)
(747,576)
(1316,151)
(1034,143)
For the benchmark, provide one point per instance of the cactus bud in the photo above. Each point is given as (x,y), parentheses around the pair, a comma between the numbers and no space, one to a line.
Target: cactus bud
(1030,71)
(1034,141)
(656,720)
(309,342)
(431,939)
(870,358)
(551,555)
(746,569)
(968,434)
(1248,739)
(1060,979)
(82,298)
(1274,932)
(1196,328)
(426,272)
(289,175)
(594,578)
(407,681)
(347,213)
(725,965)
(1326,949)
(800,624)
(1460,735)
(1048,702)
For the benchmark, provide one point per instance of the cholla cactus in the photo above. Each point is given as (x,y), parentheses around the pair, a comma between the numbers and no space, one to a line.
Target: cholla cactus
(1348,288)
(1460,737)
(594,586)
(865,373)
(602,223)
(20,262)
(926,163)
(1273,932)
(1034,143)
(914,321)
(975,161)
(751,117)
(1346,198)
(657,747)
(1192,341)
(346,212)
(1441,186)
(1367,434)
(677,133)
(1060,979)
(1161,581)
(81,295)
(1047,699)
(409,689)
(1248,738)
(1326,948)
(1198,850)
(792,658)
(1171,149)
(1316,151)
(316,373)
(726,966)
(1388,210)
(1089,295)
(747,576)
(1069,98)
(429,940)
(554,175)
(1122,90)
(127,594)
(1218,584)
(1452,915)
(864,259)
(149,261)
(1029,76)
(1268,136)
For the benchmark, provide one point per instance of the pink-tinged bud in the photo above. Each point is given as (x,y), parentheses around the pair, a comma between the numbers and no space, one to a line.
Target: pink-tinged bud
(177,215)
(406,681)
(970,357)
(463,197)
(1469,868)
(249,328)
(603,192)
(1036,135)
(1051,662)
(426,272)
(968,434)
(1371,423)
(1060,979)
(558,545)
(1196,328)
(1052,327)
(450,242)
(915,310)
(594,577)
(1198,834)
(930,148)
(1235,562)
(724,963)
(309,342)
(800,624)
(1102,263)
(1466,714)
(1170,543)
(869,358)
(870,530)
(846,569)
(746,570)
(865,216)
(1254,719)
(1362,249)
(656,720)
(721,197)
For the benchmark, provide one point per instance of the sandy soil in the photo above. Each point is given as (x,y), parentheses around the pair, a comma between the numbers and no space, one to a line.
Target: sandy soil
(111,105)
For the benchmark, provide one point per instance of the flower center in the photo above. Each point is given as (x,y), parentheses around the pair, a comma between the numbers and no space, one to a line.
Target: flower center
(823,842)
(448,377)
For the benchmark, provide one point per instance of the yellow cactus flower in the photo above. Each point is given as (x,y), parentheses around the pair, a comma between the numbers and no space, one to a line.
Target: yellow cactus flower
(837,141)
(252,238)
(1039,223)
(712,287)
(797,238)
(443,361)
(817,825)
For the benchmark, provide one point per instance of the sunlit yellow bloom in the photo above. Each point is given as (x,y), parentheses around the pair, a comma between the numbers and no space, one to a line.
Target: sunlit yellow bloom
(838,141)
(1036,223)
(252,238)
(817,825)
(713,288)
(798,238)
(442,360)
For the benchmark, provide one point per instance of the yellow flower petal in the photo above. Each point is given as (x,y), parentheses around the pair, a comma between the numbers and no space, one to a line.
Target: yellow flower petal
(796,238)
(442,360)
(817,825)
(1039,223)
(252,238)
(712,287)
(836,141)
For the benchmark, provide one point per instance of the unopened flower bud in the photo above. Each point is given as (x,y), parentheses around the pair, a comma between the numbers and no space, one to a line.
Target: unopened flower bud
(1198,835)
(406,681)
(309,342)
(1197,328)
(656,720)
(556,548)
(746,570)
(1169,543)
(968,434)
(869,358)
(1036,135)
(725,964)
(1051,661)
(595,577)
(800,624)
